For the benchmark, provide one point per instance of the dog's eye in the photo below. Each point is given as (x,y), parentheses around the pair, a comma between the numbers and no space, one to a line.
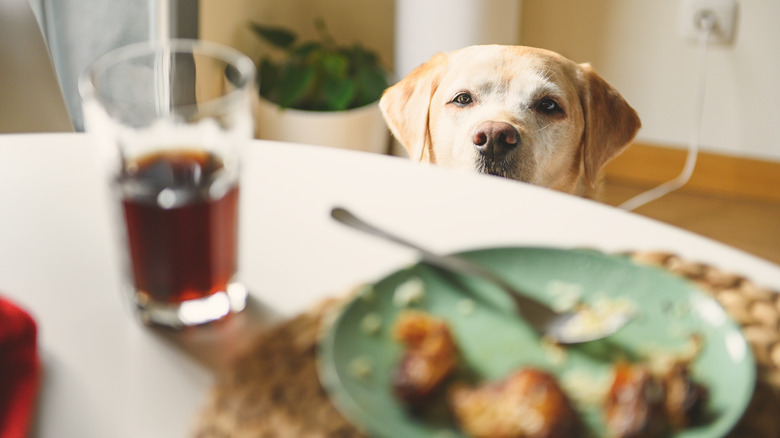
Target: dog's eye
(463,99)
(548,106)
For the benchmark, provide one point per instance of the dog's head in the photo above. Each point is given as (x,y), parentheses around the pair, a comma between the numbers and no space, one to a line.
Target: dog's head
(518,112)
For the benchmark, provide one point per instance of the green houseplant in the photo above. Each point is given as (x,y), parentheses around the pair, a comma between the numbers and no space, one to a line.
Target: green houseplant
(319,92)
(318,75)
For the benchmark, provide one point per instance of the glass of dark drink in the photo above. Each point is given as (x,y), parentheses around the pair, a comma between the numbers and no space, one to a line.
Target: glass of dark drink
(171,118)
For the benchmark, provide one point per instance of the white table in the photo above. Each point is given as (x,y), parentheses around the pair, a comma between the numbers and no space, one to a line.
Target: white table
(106,375)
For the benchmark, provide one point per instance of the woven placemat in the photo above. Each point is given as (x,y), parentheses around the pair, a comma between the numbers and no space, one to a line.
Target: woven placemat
(272,390)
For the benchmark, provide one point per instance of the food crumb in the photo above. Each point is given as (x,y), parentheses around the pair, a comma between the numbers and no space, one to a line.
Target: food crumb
(554,352)
(678,310)
(409,292)
(606,305)
(566,296)
(367,294)
(466,306)
(660,359)
(371,323)
(599,316)
(360,367)
(584,388)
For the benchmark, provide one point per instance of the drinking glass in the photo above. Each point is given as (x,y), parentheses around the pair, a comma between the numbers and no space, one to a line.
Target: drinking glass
(171,118)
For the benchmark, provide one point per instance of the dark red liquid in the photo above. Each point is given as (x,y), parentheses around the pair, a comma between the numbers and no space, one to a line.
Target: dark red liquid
(183,241)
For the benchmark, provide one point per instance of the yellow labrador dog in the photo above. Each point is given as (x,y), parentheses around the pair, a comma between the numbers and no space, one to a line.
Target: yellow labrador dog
(519,112)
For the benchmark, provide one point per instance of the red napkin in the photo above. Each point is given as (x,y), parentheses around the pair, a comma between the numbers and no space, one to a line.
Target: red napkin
(19,370)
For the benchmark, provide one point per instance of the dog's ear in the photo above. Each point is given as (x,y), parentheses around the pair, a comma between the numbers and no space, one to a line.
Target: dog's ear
(610,122)
(406,105)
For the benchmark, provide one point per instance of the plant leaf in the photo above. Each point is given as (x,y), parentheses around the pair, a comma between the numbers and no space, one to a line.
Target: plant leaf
(337,93)
(304,50)
(371,83)
(319,74)
(293,84)
(360,56)
(335,65)
(267,78)
(277,36)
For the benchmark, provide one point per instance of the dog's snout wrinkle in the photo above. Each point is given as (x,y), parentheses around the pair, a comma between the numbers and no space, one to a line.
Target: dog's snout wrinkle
(495,139)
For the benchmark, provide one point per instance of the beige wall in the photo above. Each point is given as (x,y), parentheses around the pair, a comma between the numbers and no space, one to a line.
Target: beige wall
(634,44)
(369,22)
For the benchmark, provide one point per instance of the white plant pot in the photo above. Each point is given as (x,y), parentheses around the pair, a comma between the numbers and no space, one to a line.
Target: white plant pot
(361,129)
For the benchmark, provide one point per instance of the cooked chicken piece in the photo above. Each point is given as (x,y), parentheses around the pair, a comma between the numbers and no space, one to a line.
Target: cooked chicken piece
(685,399)
(430,356)
(642,405)
(528,403)
(634,405)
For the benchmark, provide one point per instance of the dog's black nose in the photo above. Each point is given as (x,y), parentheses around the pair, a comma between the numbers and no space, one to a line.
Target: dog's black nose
(495,139)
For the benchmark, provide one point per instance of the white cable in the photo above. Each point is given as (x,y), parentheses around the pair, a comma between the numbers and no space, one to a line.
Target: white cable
(707,25)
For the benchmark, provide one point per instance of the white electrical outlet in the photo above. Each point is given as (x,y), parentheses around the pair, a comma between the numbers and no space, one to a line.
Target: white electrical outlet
(724,13)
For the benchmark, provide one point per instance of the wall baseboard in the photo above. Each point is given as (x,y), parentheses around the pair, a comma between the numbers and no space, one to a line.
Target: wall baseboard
(650,164)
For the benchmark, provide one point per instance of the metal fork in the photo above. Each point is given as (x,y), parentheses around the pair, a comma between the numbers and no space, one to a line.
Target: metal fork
(561,327)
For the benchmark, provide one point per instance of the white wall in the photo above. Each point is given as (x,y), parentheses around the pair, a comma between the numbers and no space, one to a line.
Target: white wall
(478,22)
(634,44)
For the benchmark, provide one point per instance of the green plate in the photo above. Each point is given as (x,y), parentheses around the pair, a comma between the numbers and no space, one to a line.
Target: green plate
(357,353)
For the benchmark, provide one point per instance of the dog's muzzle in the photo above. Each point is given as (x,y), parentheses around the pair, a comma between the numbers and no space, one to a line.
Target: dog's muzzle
(498,145)
(495,140)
